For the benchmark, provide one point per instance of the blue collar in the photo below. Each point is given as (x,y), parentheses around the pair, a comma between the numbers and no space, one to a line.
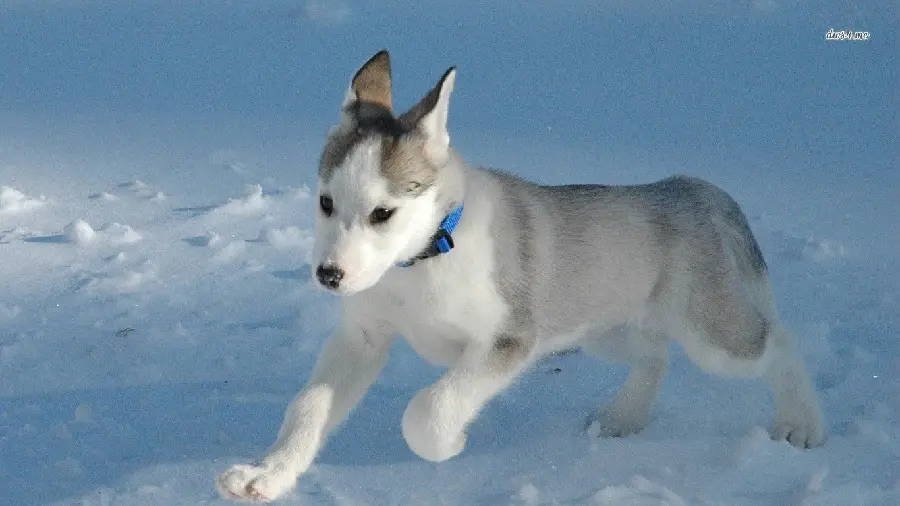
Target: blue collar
(441,241)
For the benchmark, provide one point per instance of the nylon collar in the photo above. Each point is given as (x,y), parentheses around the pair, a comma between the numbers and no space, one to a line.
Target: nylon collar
(441,241)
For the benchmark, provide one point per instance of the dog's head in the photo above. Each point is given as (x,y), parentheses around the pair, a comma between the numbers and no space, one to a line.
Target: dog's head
(377,180)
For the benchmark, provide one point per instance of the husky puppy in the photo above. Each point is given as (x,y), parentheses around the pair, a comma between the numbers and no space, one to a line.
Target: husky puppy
(486,273)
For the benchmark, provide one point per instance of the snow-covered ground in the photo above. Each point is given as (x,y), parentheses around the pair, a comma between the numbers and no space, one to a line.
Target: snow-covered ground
(157,164)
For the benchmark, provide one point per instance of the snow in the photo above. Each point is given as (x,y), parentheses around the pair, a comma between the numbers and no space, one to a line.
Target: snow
(157,167)
(639,492)
(79,232)
(12,200)
(252,203)
(529,495)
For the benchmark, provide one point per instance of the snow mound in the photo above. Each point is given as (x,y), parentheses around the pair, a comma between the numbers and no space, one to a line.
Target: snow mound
(814,485)
(641,492)
(301,193)
(207,240)
(230,252)
(12,200)
(289,237)
(529,495)
(14,234)
(116,258)
(141,190)
(810,249)
(79,232)
(109,197)
(117,233)
(135,185)
(252,202)
(126,281)
(757,449)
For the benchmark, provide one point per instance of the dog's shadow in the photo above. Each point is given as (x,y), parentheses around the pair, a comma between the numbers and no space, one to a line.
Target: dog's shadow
(530,409)
(93,438)
(371,435)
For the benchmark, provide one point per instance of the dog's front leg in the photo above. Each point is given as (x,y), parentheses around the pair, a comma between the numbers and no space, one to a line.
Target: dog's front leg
(346,368)
(435,420)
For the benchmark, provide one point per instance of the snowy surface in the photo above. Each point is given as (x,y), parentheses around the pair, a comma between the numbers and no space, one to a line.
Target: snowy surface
(156,169)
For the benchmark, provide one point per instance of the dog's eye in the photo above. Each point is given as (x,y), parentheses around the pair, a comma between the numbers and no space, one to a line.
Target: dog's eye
(380,215)
(326,205)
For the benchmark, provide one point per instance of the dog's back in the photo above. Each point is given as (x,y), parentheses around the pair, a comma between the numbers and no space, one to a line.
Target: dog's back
(579,256)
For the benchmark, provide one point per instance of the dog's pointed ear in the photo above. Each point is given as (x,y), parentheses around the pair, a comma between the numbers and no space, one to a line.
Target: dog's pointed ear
(429,117)
(371,83)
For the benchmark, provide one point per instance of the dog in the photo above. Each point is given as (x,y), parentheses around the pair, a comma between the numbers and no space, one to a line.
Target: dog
(485,273)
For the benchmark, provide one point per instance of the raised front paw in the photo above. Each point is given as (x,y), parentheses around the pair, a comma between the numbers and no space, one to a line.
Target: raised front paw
(255,483)
(430,432)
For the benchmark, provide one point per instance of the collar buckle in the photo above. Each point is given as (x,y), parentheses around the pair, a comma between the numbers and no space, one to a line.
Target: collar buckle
(441,241)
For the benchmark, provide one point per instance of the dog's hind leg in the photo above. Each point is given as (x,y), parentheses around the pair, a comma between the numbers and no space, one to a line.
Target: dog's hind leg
(733,332)
(798,416)
(646,353)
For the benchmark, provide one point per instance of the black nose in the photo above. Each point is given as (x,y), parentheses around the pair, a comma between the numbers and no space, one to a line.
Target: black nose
(329,275)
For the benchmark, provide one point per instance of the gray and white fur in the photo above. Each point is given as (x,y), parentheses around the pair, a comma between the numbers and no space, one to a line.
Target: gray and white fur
(615,270)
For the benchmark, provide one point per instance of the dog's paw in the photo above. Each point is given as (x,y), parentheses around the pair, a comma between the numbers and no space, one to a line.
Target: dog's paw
(255,483)
(614,423)
(800,423)
(428,434)
(808,433)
